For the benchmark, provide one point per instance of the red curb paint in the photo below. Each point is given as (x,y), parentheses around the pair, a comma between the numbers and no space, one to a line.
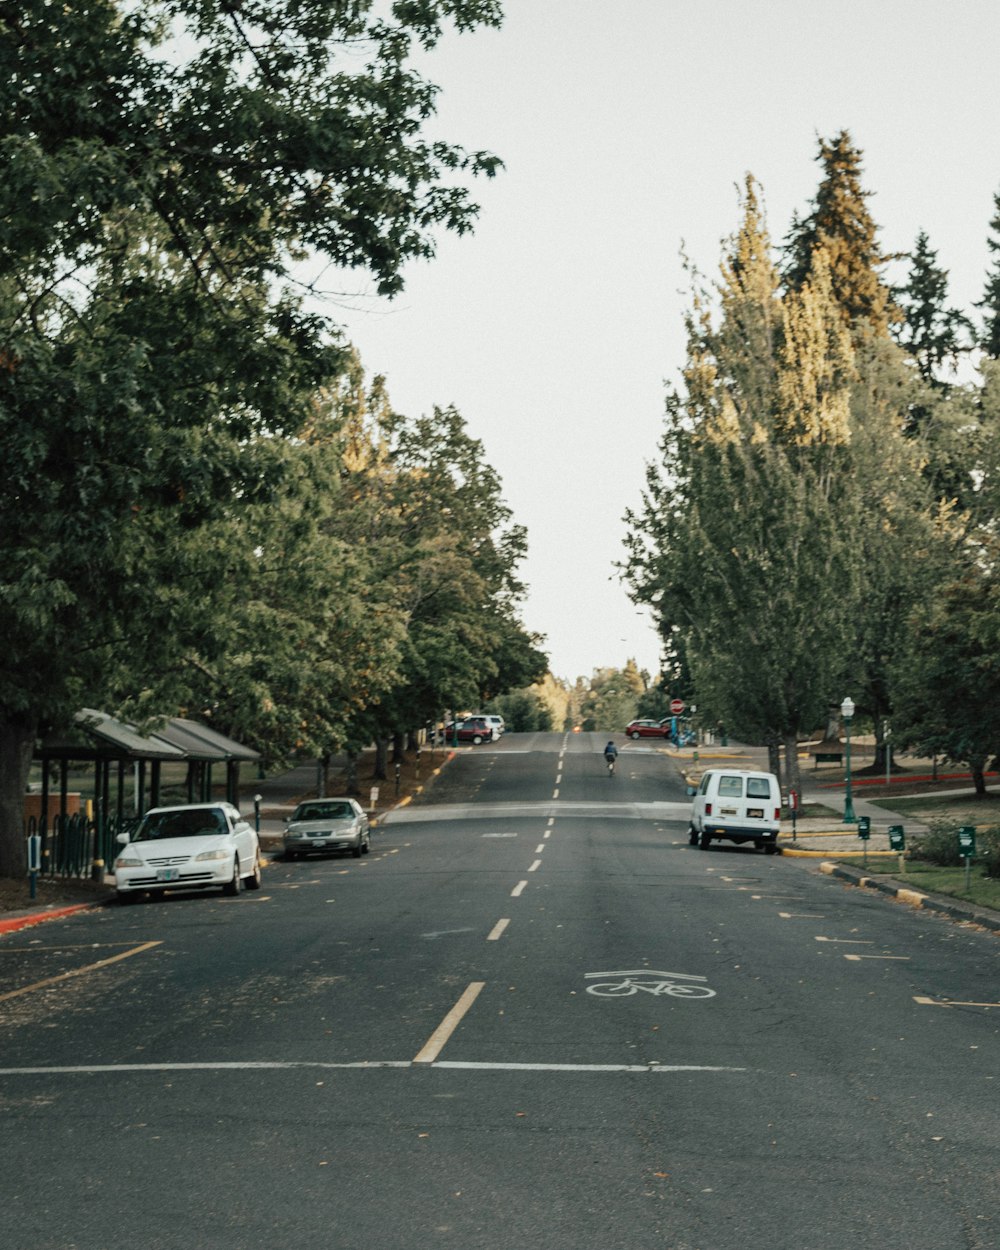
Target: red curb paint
(24,922)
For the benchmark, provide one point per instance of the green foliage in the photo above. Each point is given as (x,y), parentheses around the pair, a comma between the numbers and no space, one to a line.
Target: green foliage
(940,846)
(164,168)
(523,711)
(841,226)
(934,334)
(990,303)
(612,698)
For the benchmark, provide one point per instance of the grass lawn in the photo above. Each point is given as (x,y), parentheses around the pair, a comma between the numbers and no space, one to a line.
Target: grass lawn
(963,809)
(982,891)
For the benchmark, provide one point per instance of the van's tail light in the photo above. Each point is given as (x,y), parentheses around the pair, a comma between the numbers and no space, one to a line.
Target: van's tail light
(708,809)
(777,813)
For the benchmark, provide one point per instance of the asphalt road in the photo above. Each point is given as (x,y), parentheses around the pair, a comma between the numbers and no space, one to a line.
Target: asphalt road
(534,1016)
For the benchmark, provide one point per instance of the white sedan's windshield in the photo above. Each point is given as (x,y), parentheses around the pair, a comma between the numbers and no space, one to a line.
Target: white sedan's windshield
(181,824)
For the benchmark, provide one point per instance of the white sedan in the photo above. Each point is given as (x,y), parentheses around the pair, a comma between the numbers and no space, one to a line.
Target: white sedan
(327,825)
(185,848)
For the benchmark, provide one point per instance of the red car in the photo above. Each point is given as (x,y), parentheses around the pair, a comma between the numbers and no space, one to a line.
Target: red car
(474,730)
(648,729)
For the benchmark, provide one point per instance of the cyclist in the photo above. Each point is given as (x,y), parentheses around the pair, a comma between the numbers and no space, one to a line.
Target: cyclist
(610,755)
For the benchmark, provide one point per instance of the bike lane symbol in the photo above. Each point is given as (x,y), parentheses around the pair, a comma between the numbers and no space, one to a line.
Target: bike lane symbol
(649,981)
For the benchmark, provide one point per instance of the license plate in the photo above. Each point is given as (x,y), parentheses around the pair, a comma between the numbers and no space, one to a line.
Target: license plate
(756,811)
(727,811)
(167,874)
(319,842)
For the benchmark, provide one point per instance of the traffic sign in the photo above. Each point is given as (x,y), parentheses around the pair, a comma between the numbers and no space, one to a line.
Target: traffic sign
(897,838)
(677,706)
(967,841)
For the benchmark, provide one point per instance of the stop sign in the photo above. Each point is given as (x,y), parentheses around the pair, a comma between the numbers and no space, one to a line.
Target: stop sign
(677,706)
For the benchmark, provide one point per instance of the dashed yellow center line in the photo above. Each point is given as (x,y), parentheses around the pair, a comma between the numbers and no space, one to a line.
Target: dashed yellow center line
(78,972)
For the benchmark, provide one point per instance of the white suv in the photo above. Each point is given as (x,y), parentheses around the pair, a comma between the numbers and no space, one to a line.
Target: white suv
(496,724)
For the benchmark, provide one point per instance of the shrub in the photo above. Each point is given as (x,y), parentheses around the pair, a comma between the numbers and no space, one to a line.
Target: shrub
(939,845)
(988,850)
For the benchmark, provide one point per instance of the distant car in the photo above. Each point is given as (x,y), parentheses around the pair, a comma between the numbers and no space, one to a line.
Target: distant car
(327,825)
(496,723)
(474,730)
(647,729)
(193,847)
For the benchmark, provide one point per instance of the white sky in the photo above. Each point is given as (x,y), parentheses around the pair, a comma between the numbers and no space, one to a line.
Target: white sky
(626,126)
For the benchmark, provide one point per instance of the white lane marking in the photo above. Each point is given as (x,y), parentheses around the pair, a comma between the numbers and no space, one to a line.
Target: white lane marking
(552,821)
(547,833)
(516,892)
(799,915)
(949,1002)
(845,941)
(558,778)
(555,793)
(499,835)
(445,932)
(290,1065)
(793,898)
(539,848)
(535,866)
(439,1038)
(652,1066)
(858,958)
(497,929)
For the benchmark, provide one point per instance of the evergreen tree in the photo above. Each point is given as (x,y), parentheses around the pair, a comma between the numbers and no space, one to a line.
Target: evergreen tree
(934,334)
(990,303)
(842,226)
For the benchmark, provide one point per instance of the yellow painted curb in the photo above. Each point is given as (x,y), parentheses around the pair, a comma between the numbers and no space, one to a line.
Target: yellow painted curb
(912,897)
(795,853)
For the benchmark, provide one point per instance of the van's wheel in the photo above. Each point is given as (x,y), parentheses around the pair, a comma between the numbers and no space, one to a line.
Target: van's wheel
(770,848)
(692,836)
(705,841)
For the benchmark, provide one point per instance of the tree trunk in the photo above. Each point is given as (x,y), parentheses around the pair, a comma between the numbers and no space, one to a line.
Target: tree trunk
(17,745)
(352,773)
(774,755)
(381,759)
(978,769)
(792,762)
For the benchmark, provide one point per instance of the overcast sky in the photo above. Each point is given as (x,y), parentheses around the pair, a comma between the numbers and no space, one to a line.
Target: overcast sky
(626,127)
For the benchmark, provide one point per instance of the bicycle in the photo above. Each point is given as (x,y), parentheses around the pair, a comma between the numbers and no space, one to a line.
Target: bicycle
(667,984)
(610,761)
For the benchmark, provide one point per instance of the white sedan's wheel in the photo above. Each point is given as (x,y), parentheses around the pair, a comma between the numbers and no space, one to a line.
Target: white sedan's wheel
(253,881)
(232,888)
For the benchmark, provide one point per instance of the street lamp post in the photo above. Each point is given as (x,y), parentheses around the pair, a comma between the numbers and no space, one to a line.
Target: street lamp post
(847,712)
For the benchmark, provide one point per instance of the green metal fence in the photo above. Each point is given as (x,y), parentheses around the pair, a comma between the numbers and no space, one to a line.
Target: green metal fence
(77,847)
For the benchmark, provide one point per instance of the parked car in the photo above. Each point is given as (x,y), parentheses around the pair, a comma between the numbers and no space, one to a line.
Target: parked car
(496,723)
(474,730)
(193,847)
(738,805)
(647,729)
(327,825)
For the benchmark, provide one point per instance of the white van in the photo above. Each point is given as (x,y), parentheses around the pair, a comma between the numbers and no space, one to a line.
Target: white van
(496,724)
(738,805)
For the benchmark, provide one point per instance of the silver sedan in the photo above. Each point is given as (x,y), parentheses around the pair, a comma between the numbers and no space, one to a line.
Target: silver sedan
(327,825)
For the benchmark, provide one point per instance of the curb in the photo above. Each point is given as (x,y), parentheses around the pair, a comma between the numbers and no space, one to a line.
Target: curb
(914,898)
(25,920)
